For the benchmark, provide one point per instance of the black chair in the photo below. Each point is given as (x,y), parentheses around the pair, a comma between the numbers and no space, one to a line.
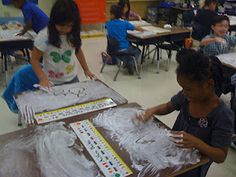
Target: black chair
(168,47)
(121,57)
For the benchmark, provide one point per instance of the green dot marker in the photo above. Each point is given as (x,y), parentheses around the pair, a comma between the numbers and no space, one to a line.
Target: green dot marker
(117,175)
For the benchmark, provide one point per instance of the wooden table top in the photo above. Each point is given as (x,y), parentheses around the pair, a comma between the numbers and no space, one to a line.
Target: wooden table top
(122,153)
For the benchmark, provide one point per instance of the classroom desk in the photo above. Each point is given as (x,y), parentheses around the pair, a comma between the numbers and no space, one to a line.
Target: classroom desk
(95,86)
(176,10)
(122,153)
(175,34)
(232,20)
(228,60)
(9,45)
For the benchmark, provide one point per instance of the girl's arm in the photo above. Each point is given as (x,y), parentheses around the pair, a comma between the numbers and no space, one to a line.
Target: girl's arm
(162,109)
(27,27)
(207,41)
(138,28)
(83,63)
(134,16)
(35,61)
(216,154)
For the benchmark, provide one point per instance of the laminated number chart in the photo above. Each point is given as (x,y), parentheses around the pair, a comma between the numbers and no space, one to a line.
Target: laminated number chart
(70,111)
(105,157)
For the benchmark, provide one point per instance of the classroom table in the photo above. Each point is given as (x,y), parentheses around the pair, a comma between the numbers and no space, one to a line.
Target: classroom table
(115,96)
(174,34)
(228,60)
(122,153)
(232,26)
(9,43)
(176,10)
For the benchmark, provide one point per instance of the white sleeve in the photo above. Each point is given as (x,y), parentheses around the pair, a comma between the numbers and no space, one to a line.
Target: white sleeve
(41,41)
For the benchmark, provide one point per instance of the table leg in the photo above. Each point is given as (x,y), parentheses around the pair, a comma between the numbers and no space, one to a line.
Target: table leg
(158,59)
(5,66)
(28,54)
(143,54)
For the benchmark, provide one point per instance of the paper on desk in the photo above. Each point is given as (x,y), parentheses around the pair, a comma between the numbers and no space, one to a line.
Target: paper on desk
(232,19)
(8,35)
(229,59)
(11,35)
(140,23)
(140,34)
(156,30)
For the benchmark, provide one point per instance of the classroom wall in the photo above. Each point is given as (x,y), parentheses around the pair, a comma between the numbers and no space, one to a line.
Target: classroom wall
(138,6)
(10,11)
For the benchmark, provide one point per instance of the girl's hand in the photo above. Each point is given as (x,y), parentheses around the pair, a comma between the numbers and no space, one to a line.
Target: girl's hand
(45,83)
(146,116)
(220,40)
(19,34)
(89,74)
(139,18)
(185,140)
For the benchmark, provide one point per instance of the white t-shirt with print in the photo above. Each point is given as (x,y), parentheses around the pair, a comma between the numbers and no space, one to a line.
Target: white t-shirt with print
(59,64)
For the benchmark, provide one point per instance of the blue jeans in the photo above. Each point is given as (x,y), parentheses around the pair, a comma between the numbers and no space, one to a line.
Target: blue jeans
(133,51)
(21,81)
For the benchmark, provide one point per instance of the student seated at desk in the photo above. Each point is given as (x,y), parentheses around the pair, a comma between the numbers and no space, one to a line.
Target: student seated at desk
(220,41)
(34,17)
(60,46)
(117,28)
(203,20)
(127,14)
(204,122)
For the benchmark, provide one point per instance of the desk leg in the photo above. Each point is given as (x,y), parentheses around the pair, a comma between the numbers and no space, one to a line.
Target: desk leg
(2,58)
(19,119)
(154,55)
(168,60)
(143,54)
(158,59)
(28,54)
(5,66)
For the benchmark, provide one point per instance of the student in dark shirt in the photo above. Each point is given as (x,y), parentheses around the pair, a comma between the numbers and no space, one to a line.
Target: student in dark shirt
(203,20)
(204,121)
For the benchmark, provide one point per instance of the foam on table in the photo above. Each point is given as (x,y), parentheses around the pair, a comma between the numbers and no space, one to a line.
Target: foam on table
(64,96)
(106,158)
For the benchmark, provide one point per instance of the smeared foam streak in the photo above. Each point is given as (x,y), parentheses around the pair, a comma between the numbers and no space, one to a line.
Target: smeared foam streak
(65,95)
(53,147)
(146,143)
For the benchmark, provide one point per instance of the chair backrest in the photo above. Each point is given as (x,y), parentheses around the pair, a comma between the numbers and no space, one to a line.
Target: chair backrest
(199,31)
(112,46)
(188,18)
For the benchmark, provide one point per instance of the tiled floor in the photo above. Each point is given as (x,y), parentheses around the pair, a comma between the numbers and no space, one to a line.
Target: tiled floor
(151,89)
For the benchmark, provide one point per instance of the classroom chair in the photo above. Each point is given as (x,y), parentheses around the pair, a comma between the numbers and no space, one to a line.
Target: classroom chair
(113,51)
(168,47)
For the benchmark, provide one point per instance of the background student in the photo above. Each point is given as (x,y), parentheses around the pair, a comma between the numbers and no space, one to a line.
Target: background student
(219,41)
(117,28)
(34,17)
(60,47)
(127,14)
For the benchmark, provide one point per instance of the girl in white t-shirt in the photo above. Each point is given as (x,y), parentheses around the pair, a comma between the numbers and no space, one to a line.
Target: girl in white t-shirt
(59,47)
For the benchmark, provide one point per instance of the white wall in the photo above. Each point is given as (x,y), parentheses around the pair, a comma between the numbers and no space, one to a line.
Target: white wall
(10,11)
